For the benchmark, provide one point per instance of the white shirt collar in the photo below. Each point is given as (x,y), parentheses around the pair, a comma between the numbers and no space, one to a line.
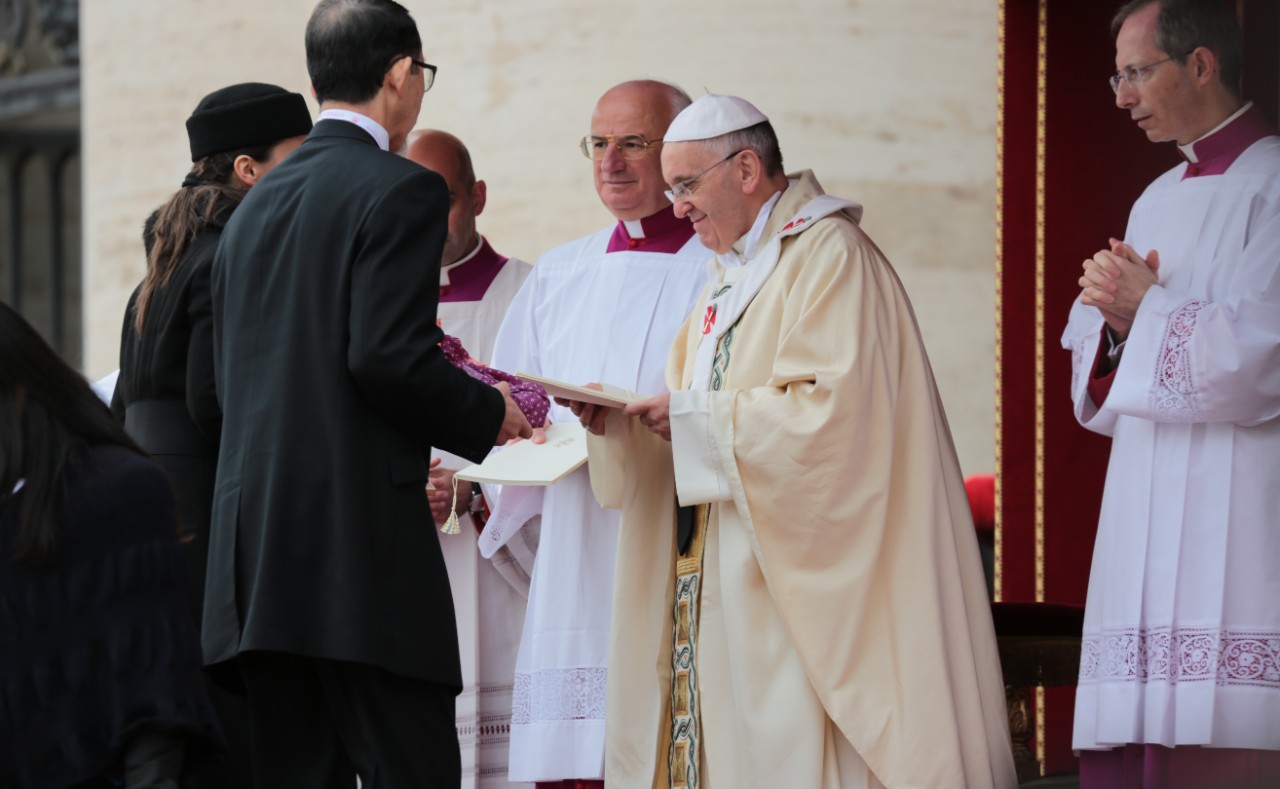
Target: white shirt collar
(746,247)
(1189,150)
(375,129)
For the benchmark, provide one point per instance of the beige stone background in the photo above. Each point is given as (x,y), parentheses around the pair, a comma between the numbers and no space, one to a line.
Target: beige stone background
(891,102)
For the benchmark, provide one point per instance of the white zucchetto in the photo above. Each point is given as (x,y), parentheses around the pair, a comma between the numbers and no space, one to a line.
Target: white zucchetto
(711,116)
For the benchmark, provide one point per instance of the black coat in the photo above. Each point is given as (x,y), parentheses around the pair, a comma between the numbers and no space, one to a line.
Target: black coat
(165,393)
(333,389)
(98,645)
(166,398)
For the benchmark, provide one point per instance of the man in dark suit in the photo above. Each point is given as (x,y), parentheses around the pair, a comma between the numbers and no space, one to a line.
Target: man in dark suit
(326,585)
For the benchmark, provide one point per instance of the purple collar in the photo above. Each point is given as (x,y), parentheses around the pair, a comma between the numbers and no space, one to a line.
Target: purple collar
(469,278)
(662,232)
(1216,151)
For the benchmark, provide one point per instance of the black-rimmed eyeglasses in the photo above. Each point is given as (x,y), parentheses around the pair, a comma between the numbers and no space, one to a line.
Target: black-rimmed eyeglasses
(428,70)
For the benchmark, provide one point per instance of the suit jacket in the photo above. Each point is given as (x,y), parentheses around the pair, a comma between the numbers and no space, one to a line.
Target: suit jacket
(333,389)
(165,393)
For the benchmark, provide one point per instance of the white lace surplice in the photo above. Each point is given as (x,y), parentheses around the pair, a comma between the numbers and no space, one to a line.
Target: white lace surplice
(1182,625)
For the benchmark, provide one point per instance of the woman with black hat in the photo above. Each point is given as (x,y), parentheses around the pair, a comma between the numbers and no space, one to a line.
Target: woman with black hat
(165,391)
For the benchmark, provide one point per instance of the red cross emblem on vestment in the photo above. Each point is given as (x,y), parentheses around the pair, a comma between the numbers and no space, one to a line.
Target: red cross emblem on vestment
(709,320)
(795,223)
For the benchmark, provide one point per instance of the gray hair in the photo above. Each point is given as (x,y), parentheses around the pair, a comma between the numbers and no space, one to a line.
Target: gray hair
(759,138)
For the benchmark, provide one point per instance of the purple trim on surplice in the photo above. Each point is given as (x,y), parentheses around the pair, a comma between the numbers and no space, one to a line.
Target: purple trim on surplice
(469,280)
(663,232)
(1219,150)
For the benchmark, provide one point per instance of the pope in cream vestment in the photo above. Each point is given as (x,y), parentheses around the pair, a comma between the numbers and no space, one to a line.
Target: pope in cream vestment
(834,630)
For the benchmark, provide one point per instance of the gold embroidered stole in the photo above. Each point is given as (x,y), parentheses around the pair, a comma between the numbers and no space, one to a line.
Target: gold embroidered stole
(683,760)
(683,763)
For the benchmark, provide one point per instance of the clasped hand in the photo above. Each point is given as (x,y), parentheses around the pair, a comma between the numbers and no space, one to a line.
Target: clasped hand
(440,494)
(1115,281)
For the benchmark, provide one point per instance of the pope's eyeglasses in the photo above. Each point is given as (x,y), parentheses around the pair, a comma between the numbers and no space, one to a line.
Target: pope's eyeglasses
(682,189)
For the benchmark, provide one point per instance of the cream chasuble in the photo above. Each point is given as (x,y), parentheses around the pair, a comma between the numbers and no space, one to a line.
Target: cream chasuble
(586,314)
(843,636)
(1182,621)
(488,594)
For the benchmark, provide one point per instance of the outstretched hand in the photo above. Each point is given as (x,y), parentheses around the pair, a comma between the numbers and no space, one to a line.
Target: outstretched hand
(514,424)
(539,435)
(591,416)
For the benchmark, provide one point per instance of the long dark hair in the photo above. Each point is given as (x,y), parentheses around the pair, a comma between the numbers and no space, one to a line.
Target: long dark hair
(49,417)
(211,189)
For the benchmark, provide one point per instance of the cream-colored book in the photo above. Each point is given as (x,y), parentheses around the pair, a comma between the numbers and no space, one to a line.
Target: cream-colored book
(611,396)
(527,463)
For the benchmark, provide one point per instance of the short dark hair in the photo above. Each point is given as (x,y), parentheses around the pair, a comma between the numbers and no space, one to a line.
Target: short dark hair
(760,138)
(1184,25)
(352,43)
(49,417)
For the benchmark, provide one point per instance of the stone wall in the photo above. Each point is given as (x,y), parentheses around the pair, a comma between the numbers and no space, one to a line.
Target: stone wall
(890,102)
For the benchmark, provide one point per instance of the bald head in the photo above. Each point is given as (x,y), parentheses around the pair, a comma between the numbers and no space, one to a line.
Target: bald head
(633,188)
(445,154)
(433,145)
(661,94)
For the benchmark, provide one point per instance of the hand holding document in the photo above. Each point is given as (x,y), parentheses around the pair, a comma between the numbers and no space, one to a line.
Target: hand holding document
(654,413)
(514,422)
(589,403)
(594,394)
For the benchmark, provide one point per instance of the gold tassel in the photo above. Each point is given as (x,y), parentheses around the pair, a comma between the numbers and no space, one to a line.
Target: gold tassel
(451,523)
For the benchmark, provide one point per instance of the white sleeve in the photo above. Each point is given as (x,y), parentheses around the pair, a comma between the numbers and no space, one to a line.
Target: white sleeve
(700,474)
(1191,359)
(1081,337)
